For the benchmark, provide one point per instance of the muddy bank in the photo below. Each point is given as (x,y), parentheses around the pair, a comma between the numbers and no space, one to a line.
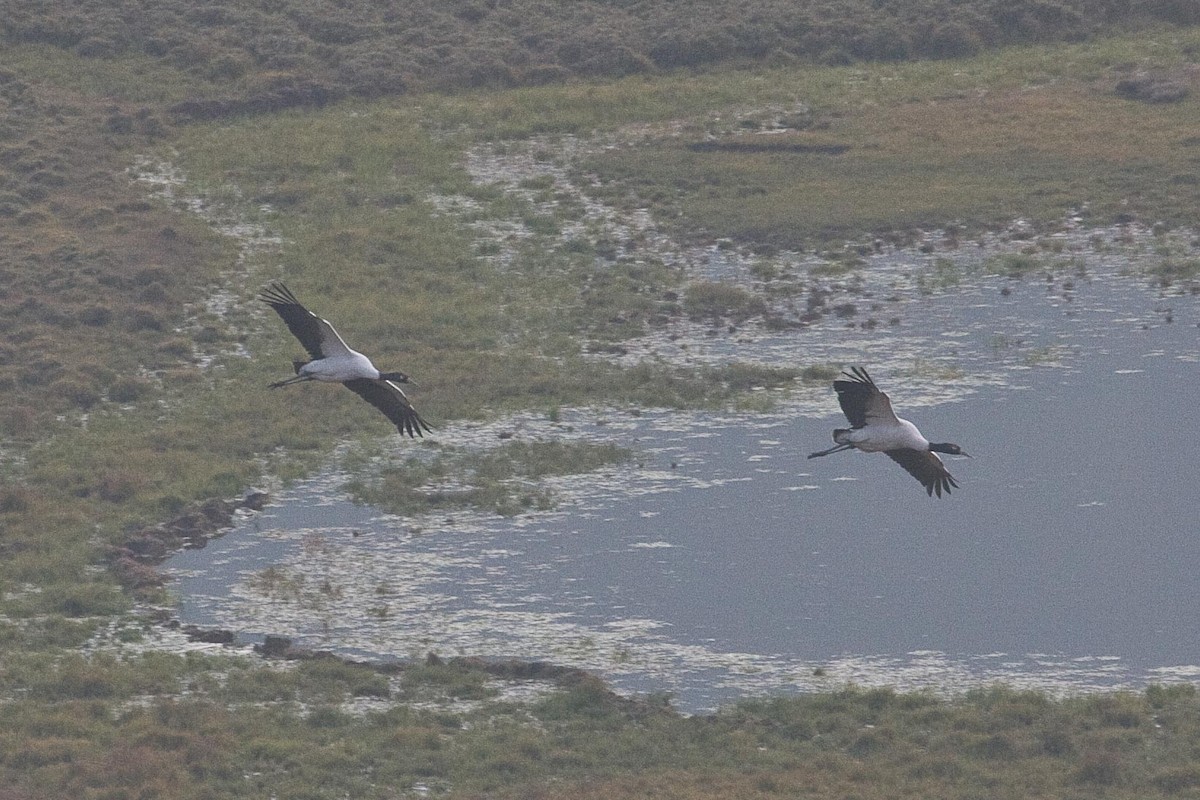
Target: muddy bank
(135,559)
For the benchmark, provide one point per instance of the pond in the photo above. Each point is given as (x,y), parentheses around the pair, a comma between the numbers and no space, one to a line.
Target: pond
(721,563)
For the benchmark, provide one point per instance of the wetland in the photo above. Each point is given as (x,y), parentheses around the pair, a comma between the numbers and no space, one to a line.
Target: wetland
(624,299)
(715,562)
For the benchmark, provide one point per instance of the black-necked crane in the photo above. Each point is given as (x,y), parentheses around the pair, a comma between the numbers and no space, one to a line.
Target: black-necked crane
(334,361)
(875,428)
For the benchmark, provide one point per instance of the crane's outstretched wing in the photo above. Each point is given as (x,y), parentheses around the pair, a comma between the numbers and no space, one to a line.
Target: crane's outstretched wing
(861,400)
(925,467)
(317,335)
(388,398)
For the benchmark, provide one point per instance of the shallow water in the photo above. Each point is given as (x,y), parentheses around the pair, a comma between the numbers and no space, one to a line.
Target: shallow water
(723,563)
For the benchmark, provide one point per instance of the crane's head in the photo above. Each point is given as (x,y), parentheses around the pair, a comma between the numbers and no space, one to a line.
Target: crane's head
(947,447)
(398,377)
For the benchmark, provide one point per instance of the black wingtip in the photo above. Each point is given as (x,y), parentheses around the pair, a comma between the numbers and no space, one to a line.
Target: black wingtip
(277,294)
(858,375)
(941,485)
(414,429)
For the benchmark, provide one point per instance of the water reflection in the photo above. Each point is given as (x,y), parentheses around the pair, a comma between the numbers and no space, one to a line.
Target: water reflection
(724,563)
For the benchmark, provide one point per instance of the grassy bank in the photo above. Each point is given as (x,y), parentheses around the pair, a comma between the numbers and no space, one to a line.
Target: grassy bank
(264,732)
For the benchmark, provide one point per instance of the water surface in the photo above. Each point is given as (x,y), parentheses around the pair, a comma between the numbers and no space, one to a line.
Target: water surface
(723,563)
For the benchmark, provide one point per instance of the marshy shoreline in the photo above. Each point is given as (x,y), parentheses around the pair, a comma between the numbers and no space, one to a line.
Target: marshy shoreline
(584,253)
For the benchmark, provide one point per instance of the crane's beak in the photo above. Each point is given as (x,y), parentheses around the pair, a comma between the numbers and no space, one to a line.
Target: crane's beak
(399,377)
(965,453)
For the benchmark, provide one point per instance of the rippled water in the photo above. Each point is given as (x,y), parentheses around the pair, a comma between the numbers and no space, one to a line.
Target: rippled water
(723,563)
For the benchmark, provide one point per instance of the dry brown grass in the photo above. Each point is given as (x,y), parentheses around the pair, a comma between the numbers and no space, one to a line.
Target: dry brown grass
(1017,135)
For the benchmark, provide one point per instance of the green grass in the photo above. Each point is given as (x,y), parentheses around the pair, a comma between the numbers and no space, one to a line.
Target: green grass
(501,337)
(580,741)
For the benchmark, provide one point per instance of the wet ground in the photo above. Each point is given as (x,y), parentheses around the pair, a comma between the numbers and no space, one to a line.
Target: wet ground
(722,563)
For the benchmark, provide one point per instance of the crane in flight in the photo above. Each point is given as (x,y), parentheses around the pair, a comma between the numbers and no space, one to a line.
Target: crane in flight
(875,428)
(333,361)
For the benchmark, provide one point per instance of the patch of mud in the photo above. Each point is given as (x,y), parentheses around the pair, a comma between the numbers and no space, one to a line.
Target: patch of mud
(530,171)
(134,560)
(511,683)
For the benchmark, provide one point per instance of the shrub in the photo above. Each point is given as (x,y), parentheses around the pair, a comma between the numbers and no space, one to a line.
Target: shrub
(1180,12)
(588,696)
(715,300)
(1055,741)
(376,73)
(332,678)
(95,315)
(327,717)
(1100,766)
(118,486)
(129,389)
(1014,264)
(19,421)
(79,394)
(85,599)
(15,499)
(1159,695)
(952,40)
(143,321)
(1178,779)
(819,373)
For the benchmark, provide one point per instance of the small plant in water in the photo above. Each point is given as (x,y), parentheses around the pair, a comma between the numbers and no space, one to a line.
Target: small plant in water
(1014,264)
(711,300)
(503,479)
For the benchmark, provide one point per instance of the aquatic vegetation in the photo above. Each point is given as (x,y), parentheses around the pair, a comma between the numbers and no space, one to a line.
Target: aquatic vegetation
(822,373)
(945,274)
(1015,264)
(504,479)
(277,582)
(1048,354)
(1171,271)
(716,301)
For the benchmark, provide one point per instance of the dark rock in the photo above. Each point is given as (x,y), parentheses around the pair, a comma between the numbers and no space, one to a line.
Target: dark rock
(276,646)
(255,500)
(147,545)
(188,523)
(218,511)
(135,575)
(195,633)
